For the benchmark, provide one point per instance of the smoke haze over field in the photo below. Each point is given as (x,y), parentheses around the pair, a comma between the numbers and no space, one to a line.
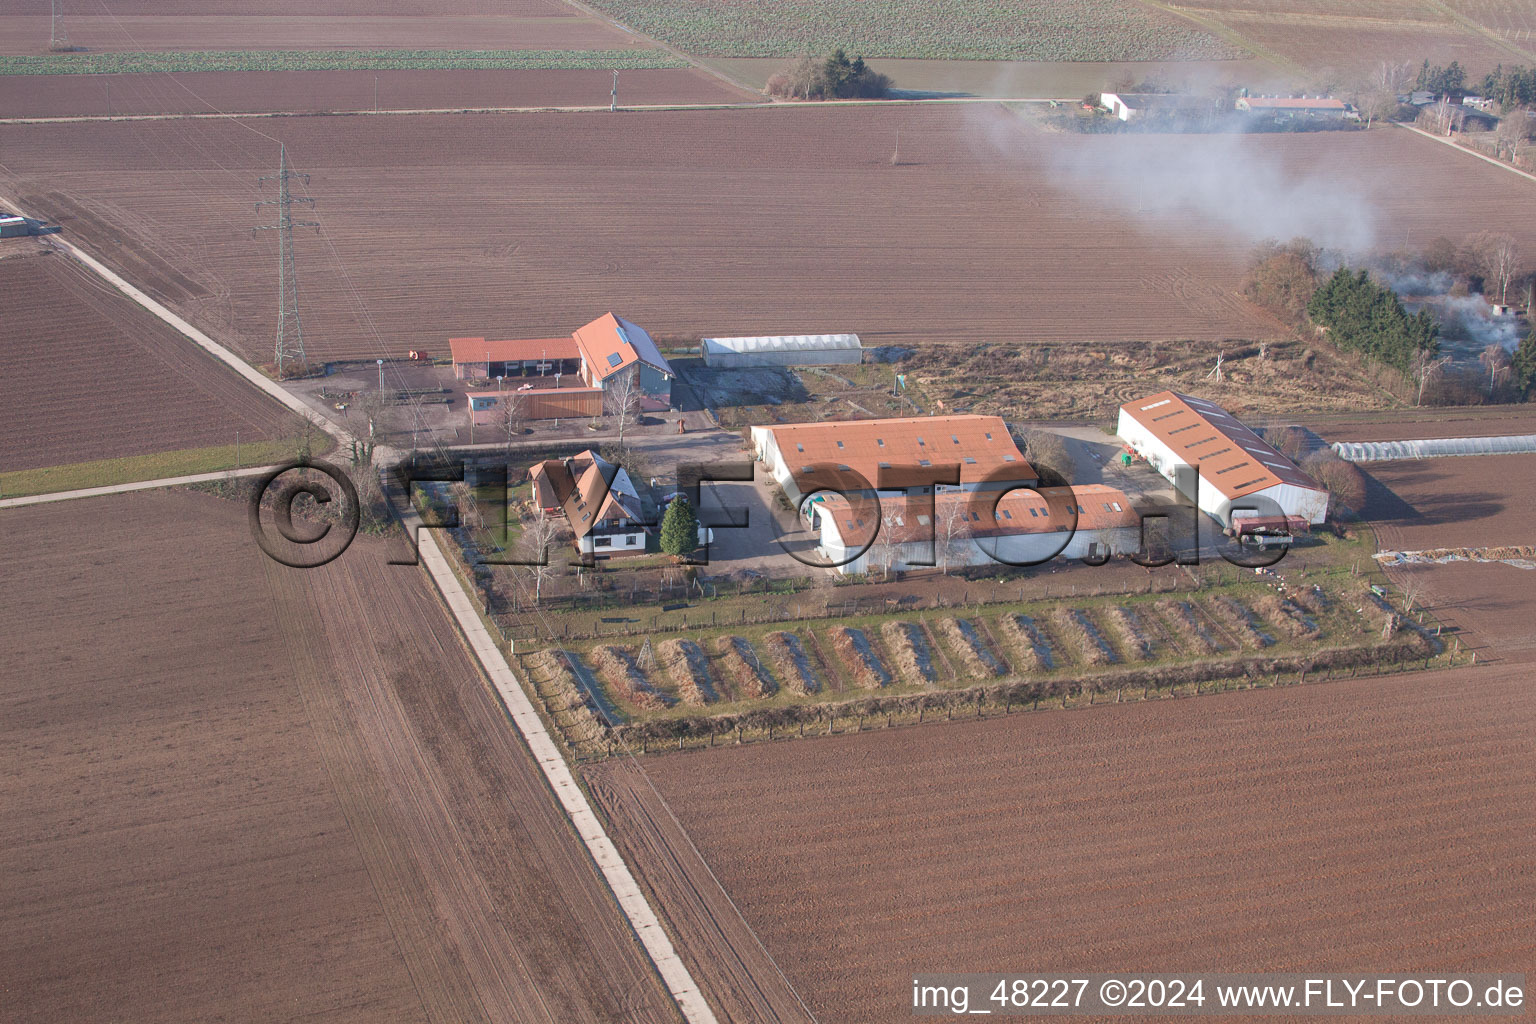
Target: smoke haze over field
(1232,182)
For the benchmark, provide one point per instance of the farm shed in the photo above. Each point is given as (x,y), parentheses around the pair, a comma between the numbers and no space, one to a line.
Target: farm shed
(488,407)
(1313,106)
(479,359)
(805,457)
(955,529)
(1237,468)
(12,226)
(1128,105)
(602,353)
(784,350)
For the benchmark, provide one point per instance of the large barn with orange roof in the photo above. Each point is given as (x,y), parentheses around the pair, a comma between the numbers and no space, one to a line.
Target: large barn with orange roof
(1239,472)
(976,450)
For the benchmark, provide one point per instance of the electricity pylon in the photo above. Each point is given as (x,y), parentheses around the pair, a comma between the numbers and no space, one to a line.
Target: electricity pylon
(290,334)
(58,39)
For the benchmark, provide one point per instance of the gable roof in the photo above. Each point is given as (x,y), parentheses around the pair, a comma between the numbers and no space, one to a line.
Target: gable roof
(981,445)
(610,343)
(1232,458)
(478,350)
(587,488)
(1099,506)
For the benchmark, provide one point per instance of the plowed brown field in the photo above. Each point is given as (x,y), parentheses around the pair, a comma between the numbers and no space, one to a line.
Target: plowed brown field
(1365,825)
(319,91)
(1463,502)
(758,221)
(236,791)
(89,375)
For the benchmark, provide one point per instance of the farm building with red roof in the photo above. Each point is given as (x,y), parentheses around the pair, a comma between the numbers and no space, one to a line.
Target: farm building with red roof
(1238,471)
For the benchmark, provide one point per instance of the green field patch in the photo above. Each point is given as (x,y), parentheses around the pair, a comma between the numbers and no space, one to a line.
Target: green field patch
(107,472)
(335,60)
(1087,30)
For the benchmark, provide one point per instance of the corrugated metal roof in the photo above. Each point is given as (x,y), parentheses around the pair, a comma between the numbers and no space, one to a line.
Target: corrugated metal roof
(1232,458)
(1293,103)
(981,445)
(785,343)
(478,350)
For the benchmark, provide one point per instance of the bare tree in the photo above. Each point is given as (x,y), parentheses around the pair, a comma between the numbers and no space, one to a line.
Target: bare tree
(1514,130)
(1387,81)
(886,547)
(539,534)
(1425,368)
(1498,362)
(514,415)
(1439,118)
(1498,257)
(621,397)
(951,528)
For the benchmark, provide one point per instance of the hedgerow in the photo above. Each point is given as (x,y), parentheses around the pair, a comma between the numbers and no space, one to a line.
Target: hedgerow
(329,60)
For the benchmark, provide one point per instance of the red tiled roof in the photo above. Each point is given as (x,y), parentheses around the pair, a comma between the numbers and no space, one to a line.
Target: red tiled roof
(1294,103)
(1232,458)
(478,350)
(980,445)
(1019,511)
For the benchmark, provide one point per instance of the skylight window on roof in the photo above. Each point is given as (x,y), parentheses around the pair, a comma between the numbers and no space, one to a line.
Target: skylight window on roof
(1154,405)
(839,444)
(1008,458)
(922,520)
(1007,514)
(885,465)
(880,441)
(970,461)
(805,469)
(614,359)
(955,438)
(1117,506)
(920,442)
(1034,513)
(1248,483)
(1229,469)
(989,437)
(799,447)
(924,462)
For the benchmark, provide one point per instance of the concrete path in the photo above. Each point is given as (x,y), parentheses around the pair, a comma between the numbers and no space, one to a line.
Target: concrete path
(545,752)
(633,903)
(137,485)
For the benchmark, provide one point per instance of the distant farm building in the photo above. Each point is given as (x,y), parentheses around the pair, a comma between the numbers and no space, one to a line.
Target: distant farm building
(786,350)
(602,354)
(595,497)
(1129,105)
(806,457)
(1312,106)
(957,529)
(12,226)
(1237,468)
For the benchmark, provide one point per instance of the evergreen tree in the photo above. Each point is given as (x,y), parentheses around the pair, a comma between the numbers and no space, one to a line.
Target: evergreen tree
(679,528)
(1524,365)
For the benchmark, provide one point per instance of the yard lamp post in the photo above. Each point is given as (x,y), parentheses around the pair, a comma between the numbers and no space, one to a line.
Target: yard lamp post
(237,451)
(499,378)
(381,377)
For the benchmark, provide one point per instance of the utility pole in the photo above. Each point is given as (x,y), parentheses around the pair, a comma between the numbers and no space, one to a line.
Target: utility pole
(58,39)
(613,99)
(290,335)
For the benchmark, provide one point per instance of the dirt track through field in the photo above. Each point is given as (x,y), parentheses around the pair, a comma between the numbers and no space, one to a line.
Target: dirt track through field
(268,793)
(697,222)
(1356,825)
(736,975)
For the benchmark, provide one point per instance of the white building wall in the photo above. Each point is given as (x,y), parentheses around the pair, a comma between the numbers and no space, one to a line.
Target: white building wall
(1016,548)
(1292,499)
